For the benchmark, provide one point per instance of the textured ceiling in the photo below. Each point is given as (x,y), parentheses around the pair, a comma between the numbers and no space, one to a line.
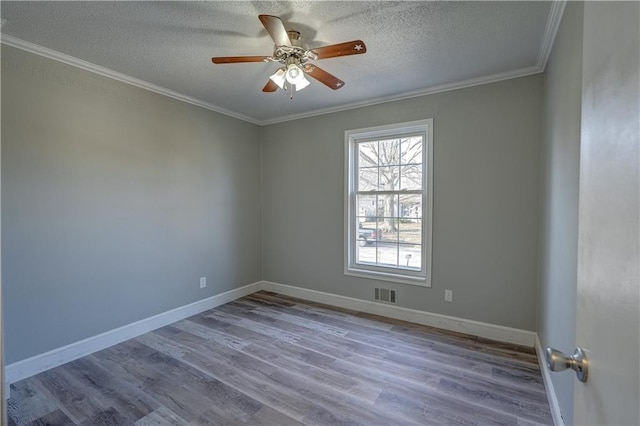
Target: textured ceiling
(412,47)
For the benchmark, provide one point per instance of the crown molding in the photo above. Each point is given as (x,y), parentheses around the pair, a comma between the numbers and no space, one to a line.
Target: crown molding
(553,23)
(523,72)
(106,72)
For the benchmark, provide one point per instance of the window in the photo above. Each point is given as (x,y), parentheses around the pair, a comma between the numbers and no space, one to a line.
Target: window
(388,202)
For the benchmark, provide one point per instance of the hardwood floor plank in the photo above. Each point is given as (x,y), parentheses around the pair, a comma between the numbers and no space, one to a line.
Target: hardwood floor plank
(297,360)
(128,401)
(325,395)
(54,418)
(170,390)
(300,382)
(160,416)
(471,376)
(316,309)
(267,416)
(108,417)
(516,403)
(216,362)
(223,400)
(268,359)
(533,379)
(27,405)
(433,408)
(67,395)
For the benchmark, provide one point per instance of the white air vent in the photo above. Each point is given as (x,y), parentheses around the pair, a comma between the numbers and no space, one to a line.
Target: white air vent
(385,295)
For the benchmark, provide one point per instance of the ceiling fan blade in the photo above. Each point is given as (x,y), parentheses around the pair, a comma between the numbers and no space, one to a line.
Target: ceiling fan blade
(276,29)
(237,59)
(355,47)
(324,77)
(270,87)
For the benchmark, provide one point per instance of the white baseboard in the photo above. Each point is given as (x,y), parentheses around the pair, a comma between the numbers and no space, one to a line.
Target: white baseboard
(548,385)
(476,328)
(39,363)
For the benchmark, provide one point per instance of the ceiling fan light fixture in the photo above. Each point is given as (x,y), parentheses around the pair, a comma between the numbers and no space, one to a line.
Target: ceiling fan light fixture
(279,77)
(302,84)
(294,75)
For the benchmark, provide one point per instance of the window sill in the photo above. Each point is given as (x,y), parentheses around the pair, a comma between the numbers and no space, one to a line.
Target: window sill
(386,276)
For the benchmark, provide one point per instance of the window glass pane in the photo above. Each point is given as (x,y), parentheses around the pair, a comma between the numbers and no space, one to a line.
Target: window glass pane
(368,154)
(380,205)
(387,254)
(388,209)
(388,229)
(366,207)
(389,152)
(410,206)
(389,178)
(368,179)
(410,231)
(411,150)
(411,177)
(410,256)
(368,236)
(365,252)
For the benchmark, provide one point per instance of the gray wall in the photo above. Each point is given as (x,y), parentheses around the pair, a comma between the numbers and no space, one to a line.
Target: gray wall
(561,171)
(487,142)
(115,200)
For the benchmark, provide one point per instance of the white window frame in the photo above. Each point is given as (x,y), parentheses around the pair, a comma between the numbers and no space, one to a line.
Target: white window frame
(399,275)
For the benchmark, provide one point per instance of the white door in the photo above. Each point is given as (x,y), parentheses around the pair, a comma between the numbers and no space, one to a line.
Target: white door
(608,319)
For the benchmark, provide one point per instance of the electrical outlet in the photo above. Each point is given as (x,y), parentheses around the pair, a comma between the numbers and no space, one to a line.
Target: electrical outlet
(203,282)
(448,295)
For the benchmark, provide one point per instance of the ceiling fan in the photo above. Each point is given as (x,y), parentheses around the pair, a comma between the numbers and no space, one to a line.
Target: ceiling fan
(295,56)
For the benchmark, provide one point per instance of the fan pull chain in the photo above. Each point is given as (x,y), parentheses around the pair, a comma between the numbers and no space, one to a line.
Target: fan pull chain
(287,87)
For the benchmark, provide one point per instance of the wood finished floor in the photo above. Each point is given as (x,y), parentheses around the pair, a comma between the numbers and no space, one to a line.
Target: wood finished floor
(267,359)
